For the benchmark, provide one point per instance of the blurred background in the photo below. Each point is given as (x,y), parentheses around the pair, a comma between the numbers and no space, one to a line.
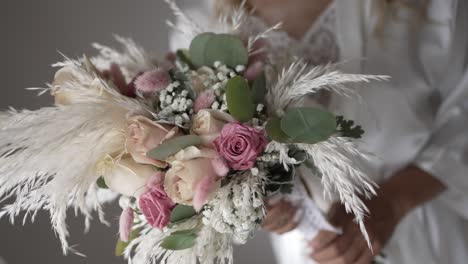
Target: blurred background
(32,34)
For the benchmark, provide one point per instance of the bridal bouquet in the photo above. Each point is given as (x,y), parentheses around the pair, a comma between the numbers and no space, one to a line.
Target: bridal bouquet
(193,145)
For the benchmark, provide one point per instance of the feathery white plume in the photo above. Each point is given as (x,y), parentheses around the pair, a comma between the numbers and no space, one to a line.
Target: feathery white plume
(299,79)
(132,59)
(340,161)
(48,156)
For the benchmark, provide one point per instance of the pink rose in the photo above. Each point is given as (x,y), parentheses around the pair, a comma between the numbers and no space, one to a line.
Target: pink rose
(144,135)
(155,205)
(240,145)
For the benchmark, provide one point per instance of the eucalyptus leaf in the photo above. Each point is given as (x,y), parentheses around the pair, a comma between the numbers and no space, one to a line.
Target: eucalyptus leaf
(101,183)
(172,146)
(179,241)
(192,231)
(274,131)
(184,56)
(239,99)
(228,49)
(308,125)
(182,212)
(197,48)
(259,89)
(121,245)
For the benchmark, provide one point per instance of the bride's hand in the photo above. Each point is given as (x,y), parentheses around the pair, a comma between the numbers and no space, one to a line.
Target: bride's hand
(406,190)
(351,247)
(280,217)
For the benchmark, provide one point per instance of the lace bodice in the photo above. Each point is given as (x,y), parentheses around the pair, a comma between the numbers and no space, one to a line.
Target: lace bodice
(319,44)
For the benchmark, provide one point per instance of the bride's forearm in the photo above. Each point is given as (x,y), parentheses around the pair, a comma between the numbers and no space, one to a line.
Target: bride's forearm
(410,188)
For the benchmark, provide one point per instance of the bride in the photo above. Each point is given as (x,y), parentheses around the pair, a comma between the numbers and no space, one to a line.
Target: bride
(415,124)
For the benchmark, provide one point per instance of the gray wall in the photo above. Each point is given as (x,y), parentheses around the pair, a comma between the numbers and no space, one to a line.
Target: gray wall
(32,31)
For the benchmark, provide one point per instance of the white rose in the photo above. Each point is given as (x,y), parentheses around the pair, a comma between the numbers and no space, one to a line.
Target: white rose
(184,177)
(125,176)
(209,123)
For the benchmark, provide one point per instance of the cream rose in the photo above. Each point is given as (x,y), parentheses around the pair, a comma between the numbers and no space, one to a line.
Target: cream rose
(125,176)
(192,180)
(144,135)
(209,123)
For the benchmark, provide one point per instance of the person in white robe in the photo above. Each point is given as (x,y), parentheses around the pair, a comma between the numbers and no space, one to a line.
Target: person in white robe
(416,124)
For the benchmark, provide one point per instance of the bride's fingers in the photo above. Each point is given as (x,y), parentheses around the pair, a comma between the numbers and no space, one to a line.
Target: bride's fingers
(291,224)
(278,216)
(323,239)
(355,249)
(337,248)
(366,257)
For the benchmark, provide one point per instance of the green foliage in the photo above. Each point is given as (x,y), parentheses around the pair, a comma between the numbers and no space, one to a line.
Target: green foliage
(172,146)
(197,48)
(121,245)
(239,99)
(182,212)
(101,183)
(308,125)
(274,131)
(347,128)
(207,48)
(180,240)
(184,56)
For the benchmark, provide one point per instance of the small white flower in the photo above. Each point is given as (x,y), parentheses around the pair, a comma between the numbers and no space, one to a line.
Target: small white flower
(168,99)
(124,201)
(178,120)
(170,87)
(224,107)
(254,171)
(221,76)
(260,107)
(184,93)
(216,86)
(232,74)
(240,68)
(176,84)
(215,105)
(189,102)
(217,64)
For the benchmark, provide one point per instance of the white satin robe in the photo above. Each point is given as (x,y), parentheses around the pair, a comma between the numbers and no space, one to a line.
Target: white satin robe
(420,117)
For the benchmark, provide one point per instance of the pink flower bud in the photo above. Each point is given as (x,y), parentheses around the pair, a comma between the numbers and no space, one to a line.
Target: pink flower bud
(152,81)
(203,191)
(125,223)
(220,167)
(253,70)
(204,100)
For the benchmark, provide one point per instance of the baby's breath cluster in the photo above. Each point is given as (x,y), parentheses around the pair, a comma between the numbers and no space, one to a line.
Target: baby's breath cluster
(238,207)
(176,104)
